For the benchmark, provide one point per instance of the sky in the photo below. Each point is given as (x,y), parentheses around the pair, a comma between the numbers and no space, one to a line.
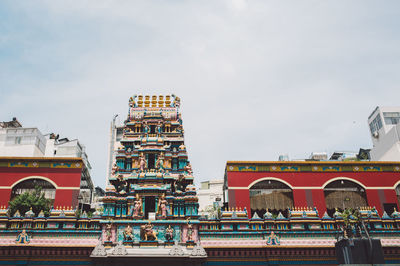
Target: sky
(256,78)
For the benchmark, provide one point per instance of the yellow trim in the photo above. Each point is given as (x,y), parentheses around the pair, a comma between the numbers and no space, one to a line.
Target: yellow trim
(315,162)
(41,158)
(321,187)
(269,178)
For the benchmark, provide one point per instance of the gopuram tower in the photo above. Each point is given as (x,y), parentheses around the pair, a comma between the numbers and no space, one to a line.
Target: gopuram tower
(150,207)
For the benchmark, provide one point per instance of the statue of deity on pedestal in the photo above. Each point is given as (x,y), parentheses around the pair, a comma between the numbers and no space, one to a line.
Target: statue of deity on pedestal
(169,233)
(147,233)
(137,207)
(162,207)
(128,235)
(142,163)
(160,162)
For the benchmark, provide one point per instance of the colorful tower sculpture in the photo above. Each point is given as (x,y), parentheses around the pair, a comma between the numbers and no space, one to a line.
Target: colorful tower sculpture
(151,199)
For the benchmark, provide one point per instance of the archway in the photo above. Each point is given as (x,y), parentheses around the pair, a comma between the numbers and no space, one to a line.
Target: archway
(29,185)
(271,194)
(342,194)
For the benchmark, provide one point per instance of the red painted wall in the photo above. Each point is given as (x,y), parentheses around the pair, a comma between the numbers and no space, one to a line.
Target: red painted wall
(313,181)
(63,177)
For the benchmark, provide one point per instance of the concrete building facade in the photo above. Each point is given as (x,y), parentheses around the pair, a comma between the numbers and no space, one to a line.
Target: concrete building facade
(384,124)
(17,142)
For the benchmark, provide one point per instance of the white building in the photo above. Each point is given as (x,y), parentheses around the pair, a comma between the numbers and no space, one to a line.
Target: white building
(384,124)
(210,192)
(18,141)
(116,134)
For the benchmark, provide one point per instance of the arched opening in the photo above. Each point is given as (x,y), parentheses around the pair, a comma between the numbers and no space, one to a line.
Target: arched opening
(29,185)
(342,194)
(272,195)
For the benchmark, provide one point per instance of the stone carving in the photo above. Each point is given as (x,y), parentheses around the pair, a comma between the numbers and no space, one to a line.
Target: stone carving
(160,162)
(128,235)
(147,233)
(99,250)
(162,207)
(137,206)
(22,238)
(176,250)
(169,233)
(273,239)
(121,185)
(188,168)
(189,233)
(108,232)
(198,251)
(142,163)
(119,249)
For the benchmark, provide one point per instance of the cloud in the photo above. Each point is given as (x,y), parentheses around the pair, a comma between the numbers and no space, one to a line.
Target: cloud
(256,78)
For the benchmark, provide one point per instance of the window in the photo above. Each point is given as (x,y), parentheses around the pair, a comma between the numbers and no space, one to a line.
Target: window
(17,140)
(391,118)
(376,124)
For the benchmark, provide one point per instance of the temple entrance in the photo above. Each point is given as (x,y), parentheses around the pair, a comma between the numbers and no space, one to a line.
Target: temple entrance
(344,194)
(149,205)
(272,195)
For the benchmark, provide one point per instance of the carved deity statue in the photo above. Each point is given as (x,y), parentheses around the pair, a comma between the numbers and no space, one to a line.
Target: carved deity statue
(169,233)
(147,233)
(159,128)
(108,233)
(188,168)
(114,169)
(177,101)
(142,163)
(179,184)
(189,233)
(128,235)
(22,238)
(137,206)
(273,239)
(160,162)
(162,206)
(121,185)
(146,128)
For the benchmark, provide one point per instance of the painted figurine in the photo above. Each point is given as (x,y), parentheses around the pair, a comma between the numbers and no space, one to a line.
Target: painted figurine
(169,233)
(147,233)
(179,184)
(162,207)
(159,128)
(160,162)
(108,232)
(22,238)
(189,234)
(142,163)
(188,168)
(273,239)
(128,235)
(137,206)
(122,185)
(114,169)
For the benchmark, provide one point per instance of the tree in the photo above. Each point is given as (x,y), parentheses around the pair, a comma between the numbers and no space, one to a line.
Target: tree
(34,199)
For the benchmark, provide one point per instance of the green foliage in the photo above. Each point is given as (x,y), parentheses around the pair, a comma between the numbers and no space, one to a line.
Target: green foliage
(351,216)
(34,199)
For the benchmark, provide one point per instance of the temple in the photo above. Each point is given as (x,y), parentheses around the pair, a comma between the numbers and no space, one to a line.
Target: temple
(280,213)
(150,199)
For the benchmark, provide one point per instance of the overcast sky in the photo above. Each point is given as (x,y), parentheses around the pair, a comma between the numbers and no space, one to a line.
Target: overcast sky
(256,78)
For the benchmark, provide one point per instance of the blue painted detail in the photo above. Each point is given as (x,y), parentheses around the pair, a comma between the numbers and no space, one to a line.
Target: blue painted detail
(330,168)
(247,168)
